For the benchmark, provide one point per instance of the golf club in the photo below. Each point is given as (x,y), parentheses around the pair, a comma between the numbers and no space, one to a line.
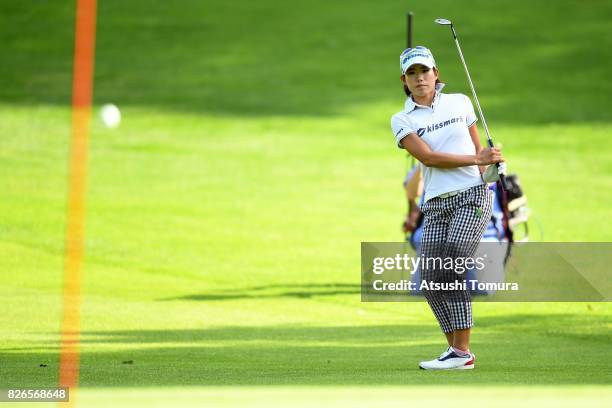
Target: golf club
(443,21)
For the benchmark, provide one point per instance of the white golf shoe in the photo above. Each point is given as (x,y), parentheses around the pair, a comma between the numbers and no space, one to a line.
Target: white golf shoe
(449,360)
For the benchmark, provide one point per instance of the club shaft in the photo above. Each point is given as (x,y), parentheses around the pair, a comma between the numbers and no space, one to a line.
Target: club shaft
(467,73)
(409,24)
(502,178)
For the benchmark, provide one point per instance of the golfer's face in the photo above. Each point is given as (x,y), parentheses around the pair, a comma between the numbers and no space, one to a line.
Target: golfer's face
(420,79)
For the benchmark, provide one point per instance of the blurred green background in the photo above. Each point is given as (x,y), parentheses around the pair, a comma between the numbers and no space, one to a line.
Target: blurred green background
(225,214)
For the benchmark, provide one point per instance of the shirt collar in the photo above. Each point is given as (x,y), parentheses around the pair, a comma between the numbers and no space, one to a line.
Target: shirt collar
(411,105)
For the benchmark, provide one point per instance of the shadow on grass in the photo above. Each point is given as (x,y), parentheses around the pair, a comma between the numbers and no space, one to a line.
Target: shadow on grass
(276,291)
(511,349)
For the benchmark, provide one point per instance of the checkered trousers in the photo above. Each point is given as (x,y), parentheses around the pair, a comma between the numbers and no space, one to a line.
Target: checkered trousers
(453,228)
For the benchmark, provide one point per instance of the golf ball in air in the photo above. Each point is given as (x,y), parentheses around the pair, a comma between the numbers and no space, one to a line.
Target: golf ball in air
(110,115)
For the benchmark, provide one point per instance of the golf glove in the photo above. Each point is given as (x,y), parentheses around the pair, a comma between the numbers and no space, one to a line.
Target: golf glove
(491,174)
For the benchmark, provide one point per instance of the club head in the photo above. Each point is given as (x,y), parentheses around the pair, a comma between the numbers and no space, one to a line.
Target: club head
(443,21)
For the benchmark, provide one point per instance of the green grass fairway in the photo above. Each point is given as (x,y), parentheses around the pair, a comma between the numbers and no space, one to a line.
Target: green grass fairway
(503,397)
(225,215)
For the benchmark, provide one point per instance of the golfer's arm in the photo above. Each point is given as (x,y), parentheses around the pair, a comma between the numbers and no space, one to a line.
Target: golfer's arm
(476,140)
(413,185)
(475,137)
(413,189)
(423,153)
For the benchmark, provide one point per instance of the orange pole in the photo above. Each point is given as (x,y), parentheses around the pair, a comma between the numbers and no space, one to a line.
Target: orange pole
(82,85)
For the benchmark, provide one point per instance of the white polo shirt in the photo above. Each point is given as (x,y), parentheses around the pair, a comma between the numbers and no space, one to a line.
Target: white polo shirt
(444,127)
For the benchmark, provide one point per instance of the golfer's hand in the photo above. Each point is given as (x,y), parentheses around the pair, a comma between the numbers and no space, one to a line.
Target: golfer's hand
(407,227)
(489,155)
(409,224)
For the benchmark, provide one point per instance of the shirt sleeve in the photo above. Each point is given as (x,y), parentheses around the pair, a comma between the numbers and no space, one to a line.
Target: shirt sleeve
(401,128)
(470,116)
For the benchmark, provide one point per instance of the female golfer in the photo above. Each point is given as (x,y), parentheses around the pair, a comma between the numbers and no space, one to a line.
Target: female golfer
(440,131)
